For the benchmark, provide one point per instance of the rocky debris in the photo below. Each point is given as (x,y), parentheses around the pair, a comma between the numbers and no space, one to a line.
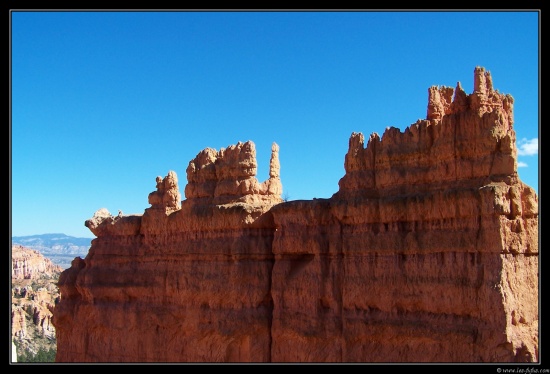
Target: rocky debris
(428,252)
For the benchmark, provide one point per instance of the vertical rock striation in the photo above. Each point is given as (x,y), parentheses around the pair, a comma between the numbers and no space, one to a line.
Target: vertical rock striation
(187,281)
(27,263)
(427,253)
(33,295)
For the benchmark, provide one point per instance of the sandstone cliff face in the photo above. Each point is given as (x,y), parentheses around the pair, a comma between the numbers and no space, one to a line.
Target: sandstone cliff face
(427,253)
(27,264)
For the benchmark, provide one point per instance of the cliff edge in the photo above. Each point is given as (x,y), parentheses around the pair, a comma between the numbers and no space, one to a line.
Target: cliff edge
(428,252)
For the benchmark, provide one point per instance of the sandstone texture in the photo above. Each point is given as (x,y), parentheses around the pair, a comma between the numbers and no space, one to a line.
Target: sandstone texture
(428,252)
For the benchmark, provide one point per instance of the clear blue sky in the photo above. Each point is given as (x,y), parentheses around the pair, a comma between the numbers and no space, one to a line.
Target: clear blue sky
(104,102)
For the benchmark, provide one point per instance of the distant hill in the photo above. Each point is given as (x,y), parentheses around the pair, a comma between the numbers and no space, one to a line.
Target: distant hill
(61,249)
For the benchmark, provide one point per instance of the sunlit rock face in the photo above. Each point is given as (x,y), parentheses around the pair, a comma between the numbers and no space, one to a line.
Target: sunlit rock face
(33,298)
(428,252)
(30,264)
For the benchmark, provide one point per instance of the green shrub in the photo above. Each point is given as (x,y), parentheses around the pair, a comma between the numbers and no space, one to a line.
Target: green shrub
(42,355)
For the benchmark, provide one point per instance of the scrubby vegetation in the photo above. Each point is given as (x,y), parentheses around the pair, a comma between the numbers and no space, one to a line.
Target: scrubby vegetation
(43,355)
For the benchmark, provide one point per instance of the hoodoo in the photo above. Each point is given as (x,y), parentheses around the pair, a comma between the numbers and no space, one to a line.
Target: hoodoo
(428,252)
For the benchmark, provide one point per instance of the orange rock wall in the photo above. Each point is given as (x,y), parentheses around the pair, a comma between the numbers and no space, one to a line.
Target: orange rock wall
(191,297)
(347,288)
(427,253)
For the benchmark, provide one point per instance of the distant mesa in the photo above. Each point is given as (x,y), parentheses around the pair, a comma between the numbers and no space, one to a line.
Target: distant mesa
(428,252)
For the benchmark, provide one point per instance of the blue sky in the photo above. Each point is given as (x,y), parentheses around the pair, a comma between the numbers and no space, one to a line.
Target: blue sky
(104,102)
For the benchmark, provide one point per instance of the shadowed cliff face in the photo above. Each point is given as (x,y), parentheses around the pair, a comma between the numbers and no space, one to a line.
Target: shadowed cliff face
(427,253)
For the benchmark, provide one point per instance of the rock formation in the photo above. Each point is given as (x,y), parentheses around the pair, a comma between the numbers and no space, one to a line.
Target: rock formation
(34,294)
(428,252)
(230,176)
(28,264)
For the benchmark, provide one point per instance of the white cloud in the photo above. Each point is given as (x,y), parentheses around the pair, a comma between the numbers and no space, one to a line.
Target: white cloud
(528,147)
(522,164)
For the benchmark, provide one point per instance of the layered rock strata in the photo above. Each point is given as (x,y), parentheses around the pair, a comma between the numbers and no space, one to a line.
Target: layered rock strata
(427,253)
(27,263)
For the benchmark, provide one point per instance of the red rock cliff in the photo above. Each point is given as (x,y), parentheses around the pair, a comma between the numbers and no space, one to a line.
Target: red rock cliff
(427,253)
